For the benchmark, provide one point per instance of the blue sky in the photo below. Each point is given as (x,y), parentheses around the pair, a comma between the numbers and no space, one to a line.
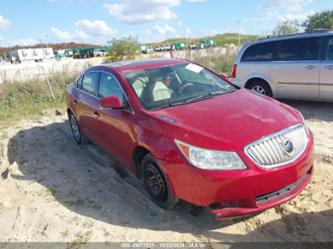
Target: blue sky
(97,21)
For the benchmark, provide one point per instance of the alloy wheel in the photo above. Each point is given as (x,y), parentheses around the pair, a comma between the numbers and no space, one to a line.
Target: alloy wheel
(75,128)
(259,89)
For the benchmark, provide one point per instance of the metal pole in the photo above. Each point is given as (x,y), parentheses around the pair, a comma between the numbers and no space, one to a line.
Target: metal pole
(47,82)
(238,33)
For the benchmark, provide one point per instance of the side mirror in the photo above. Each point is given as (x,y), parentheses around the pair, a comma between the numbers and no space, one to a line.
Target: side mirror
(224,76)
(112,102)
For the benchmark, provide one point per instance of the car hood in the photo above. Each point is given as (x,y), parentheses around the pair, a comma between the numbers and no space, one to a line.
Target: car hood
(230,121)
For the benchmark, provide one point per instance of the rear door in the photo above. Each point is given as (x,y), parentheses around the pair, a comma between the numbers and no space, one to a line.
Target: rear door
(296,68)
(326,70)
(88,103)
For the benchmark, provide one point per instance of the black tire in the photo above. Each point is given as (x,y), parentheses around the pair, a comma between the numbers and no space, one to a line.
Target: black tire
(156,183)
(260,86)
(78,136)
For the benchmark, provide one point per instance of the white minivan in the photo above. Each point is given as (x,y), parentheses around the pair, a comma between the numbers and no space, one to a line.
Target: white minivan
(298,66)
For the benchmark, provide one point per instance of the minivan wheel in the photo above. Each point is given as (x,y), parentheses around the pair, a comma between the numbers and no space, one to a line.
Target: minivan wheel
(76,131)
(156,184)
(260,86)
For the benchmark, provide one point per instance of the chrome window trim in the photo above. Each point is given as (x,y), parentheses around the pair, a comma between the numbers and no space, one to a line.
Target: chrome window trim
(283,131)
(131,110)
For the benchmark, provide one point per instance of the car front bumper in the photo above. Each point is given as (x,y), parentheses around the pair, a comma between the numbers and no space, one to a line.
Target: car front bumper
(242,192)
(268,201)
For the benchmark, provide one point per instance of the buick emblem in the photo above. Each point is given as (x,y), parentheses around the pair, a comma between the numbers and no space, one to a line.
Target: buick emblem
(288,146)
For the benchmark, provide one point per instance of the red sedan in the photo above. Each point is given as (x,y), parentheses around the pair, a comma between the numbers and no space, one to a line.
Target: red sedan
(190,134)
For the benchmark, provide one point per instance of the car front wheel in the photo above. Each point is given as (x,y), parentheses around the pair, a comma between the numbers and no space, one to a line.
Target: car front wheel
(156,184)
(260,86)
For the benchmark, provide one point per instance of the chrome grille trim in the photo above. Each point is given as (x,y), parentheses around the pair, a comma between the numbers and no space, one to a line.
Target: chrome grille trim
(270,151)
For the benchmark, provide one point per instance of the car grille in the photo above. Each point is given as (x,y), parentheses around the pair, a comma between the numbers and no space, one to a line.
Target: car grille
(279,148)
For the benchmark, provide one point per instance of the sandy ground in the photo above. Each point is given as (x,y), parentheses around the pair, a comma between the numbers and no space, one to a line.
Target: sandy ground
(54,190)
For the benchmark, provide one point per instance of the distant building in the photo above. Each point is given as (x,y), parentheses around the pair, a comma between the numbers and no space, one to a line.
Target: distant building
(31,55)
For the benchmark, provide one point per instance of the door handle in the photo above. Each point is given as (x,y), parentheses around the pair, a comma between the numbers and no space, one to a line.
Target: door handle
(96,114)
(310,67)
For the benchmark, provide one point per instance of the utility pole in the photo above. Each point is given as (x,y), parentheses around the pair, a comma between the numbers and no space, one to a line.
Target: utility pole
(238,33)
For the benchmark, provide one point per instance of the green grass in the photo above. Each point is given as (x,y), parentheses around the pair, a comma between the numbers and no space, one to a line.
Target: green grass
(19,100)
(217,63)
(220,39)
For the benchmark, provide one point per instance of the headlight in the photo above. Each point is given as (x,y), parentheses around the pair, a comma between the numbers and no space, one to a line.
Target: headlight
(210,159)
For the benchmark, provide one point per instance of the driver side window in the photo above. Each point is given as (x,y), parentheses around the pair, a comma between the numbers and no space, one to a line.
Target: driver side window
(109,86)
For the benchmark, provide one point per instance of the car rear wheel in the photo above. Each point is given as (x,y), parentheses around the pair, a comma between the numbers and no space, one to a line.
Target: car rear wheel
(156,184)
(260,86)
(76,131)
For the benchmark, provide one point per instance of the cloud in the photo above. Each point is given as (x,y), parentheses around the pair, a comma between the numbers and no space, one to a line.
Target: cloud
(132,11)
(84,30)
(274,11)
(4,23)
(61,35)
(165,29)
(94,28)
(287,5)
(23,42)
(295,16)
(286,10)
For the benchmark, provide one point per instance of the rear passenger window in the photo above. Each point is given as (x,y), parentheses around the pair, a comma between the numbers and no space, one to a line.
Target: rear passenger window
(79,81)
(259,52)
(109,86)
(299,49)
(90,83)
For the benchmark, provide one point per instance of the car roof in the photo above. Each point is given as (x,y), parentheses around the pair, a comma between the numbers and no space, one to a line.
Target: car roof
(131,65)
(293,36)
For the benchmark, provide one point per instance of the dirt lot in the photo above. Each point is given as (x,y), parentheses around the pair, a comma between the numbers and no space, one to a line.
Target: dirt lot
(54,190)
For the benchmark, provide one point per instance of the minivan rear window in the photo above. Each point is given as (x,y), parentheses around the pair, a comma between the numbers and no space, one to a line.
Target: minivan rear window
(299,49)
(259,52)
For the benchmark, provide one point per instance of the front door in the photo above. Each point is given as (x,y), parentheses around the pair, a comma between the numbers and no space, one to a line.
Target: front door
(114,125)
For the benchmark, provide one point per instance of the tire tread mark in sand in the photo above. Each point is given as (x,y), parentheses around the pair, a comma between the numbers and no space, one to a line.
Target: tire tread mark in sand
(103,160)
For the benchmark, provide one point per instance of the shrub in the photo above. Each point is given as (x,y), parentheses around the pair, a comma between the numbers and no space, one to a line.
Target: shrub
(217,63)
(123,49)
(21,99)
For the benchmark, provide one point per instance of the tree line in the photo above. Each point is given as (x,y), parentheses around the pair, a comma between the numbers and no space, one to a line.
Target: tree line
(318,21)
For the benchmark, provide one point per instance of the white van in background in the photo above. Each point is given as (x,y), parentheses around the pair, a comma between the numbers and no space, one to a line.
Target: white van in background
(298,66)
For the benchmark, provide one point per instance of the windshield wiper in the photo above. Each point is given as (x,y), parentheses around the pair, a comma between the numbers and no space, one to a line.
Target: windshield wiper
(206,95)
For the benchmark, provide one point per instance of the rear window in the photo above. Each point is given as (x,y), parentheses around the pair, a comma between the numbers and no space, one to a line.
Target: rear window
(299,49)
(259,52)
(90,82)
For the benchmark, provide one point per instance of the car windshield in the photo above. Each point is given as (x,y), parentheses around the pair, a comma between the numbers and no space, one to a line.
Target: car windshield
(168,86)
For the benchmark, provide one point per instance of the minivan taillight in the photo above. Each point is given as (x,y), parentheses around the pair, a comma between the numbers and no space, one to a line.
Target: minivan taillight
(234,71)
